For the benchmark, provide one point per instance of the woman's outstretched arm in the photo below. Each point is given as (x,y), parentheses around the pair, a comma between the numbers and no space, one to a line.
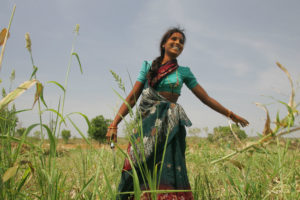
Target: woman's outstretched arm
(212,103)
(131,99)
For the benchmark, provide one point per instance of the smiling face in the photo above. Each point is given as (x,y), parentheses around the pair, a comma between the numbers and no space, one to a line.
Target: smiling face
(174,46)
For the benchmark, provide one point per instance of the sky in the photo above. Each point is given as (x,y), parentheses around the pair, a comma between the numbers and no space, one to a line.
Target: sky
(232,48)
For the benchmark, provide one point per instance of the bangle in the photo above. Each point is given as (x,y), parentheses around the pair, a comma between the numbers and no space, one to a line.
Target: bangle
(112,127)
(230,113)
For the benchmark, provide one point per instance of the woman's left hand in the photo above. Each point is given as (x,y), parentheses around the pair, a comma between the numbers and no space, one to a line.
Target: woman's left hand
(238,120)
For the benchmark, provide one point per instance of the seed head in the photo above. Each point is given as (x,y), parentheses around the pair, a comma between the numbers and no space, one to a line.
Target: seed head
(28,42)
(77,28)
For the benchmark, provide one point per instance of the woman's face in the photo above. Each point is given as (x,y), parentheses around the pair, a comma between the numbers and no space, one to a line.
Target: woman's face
(174,45)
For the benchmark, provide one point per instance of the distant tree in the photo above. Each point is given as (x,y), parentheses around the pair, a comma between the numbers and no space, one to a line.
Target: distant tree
(224,133)
(66,134)
(98,128)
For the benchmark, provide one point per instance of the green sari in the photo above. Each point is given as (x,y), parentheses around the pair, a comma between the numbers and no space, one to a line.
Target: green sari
(159,142)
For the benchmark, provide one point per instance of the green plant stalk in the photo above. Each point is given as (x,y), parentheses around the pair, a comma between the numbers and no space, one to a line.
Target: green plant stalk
(243,149)
(39,102)
(67,77)
(270,135)
(97,175)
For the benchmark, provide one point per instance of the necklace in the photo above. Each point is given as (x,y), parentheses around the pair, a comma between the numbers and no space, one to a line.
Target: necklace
(174,85)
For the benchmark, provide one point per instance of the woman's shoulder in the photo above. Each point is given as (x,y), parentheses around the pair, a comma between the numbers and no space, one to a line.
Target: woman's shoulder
(184,69)
(146,65)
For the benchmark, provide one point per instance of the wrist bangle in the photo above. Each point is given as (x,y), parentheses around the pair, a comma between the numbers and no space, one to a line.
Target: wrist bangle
(112,127)
(230,113)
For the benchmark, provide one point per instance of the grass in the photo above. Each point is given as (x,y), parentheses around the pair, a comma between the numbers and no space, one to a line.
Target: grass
(273,173)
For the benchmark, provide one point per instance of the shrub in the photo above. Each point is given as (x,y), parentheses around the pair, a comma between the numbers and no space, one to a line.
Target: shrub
(224,133)
(98,128)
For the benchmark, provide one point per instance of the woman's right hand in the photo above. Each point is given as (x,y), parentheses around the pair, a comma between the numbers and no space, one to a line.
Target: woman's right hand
(111,134)
(238,119)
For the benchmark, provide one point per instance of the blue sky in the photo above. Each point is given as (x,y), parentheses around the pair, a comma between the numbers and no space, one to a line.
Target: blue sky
(232,47)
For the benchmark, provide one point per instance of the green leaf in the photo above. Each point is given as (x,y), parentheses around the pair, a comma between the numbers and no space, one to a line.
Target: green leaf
(107,183)
(78,130)
(291,117)
(76,55)
(277,118)
(24,178)
(52,141)
(34,72)
(83,115)
(59,85)
(24,110)
(10,173)
(84,188)
(57,113)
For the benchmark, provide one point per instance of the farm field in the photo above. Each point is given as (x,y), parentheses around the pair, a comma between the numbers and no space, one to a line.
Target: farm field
(89,172)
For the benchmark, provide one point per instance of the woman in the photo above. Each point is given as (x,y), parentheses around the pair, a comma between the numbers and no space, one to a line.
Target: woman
(163,123)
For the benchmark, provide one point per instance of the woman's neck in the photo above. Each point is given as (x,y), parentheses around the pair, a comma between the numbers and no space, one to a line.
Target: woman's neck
(166,59)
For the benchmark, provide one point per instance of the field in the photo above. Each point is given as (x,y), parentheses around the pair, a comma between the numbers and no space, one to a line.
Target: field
(88,172)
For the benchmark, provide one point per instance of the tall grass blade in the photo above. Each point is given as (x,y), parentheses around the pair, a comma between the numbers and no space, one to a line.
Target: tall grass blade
(112,194)
(97,177)
(24,178)
(136,184)
(59,85)
(83,115)
(84,188)
(52,141)
(35,69)
(78,130)
(62,119)
(76,55)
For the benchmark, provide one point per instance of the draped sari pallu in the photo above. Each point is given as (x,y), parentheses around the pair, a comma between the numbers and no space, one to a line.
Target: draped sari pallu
(163,125)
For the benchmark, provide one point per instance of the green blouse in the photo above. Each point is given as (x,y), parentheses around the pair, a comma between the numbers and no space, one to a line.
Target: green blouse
(182,74)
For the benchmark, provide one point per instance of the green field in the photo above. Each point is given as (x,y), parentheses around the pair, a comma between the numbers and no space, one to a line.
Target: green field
(88,172)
